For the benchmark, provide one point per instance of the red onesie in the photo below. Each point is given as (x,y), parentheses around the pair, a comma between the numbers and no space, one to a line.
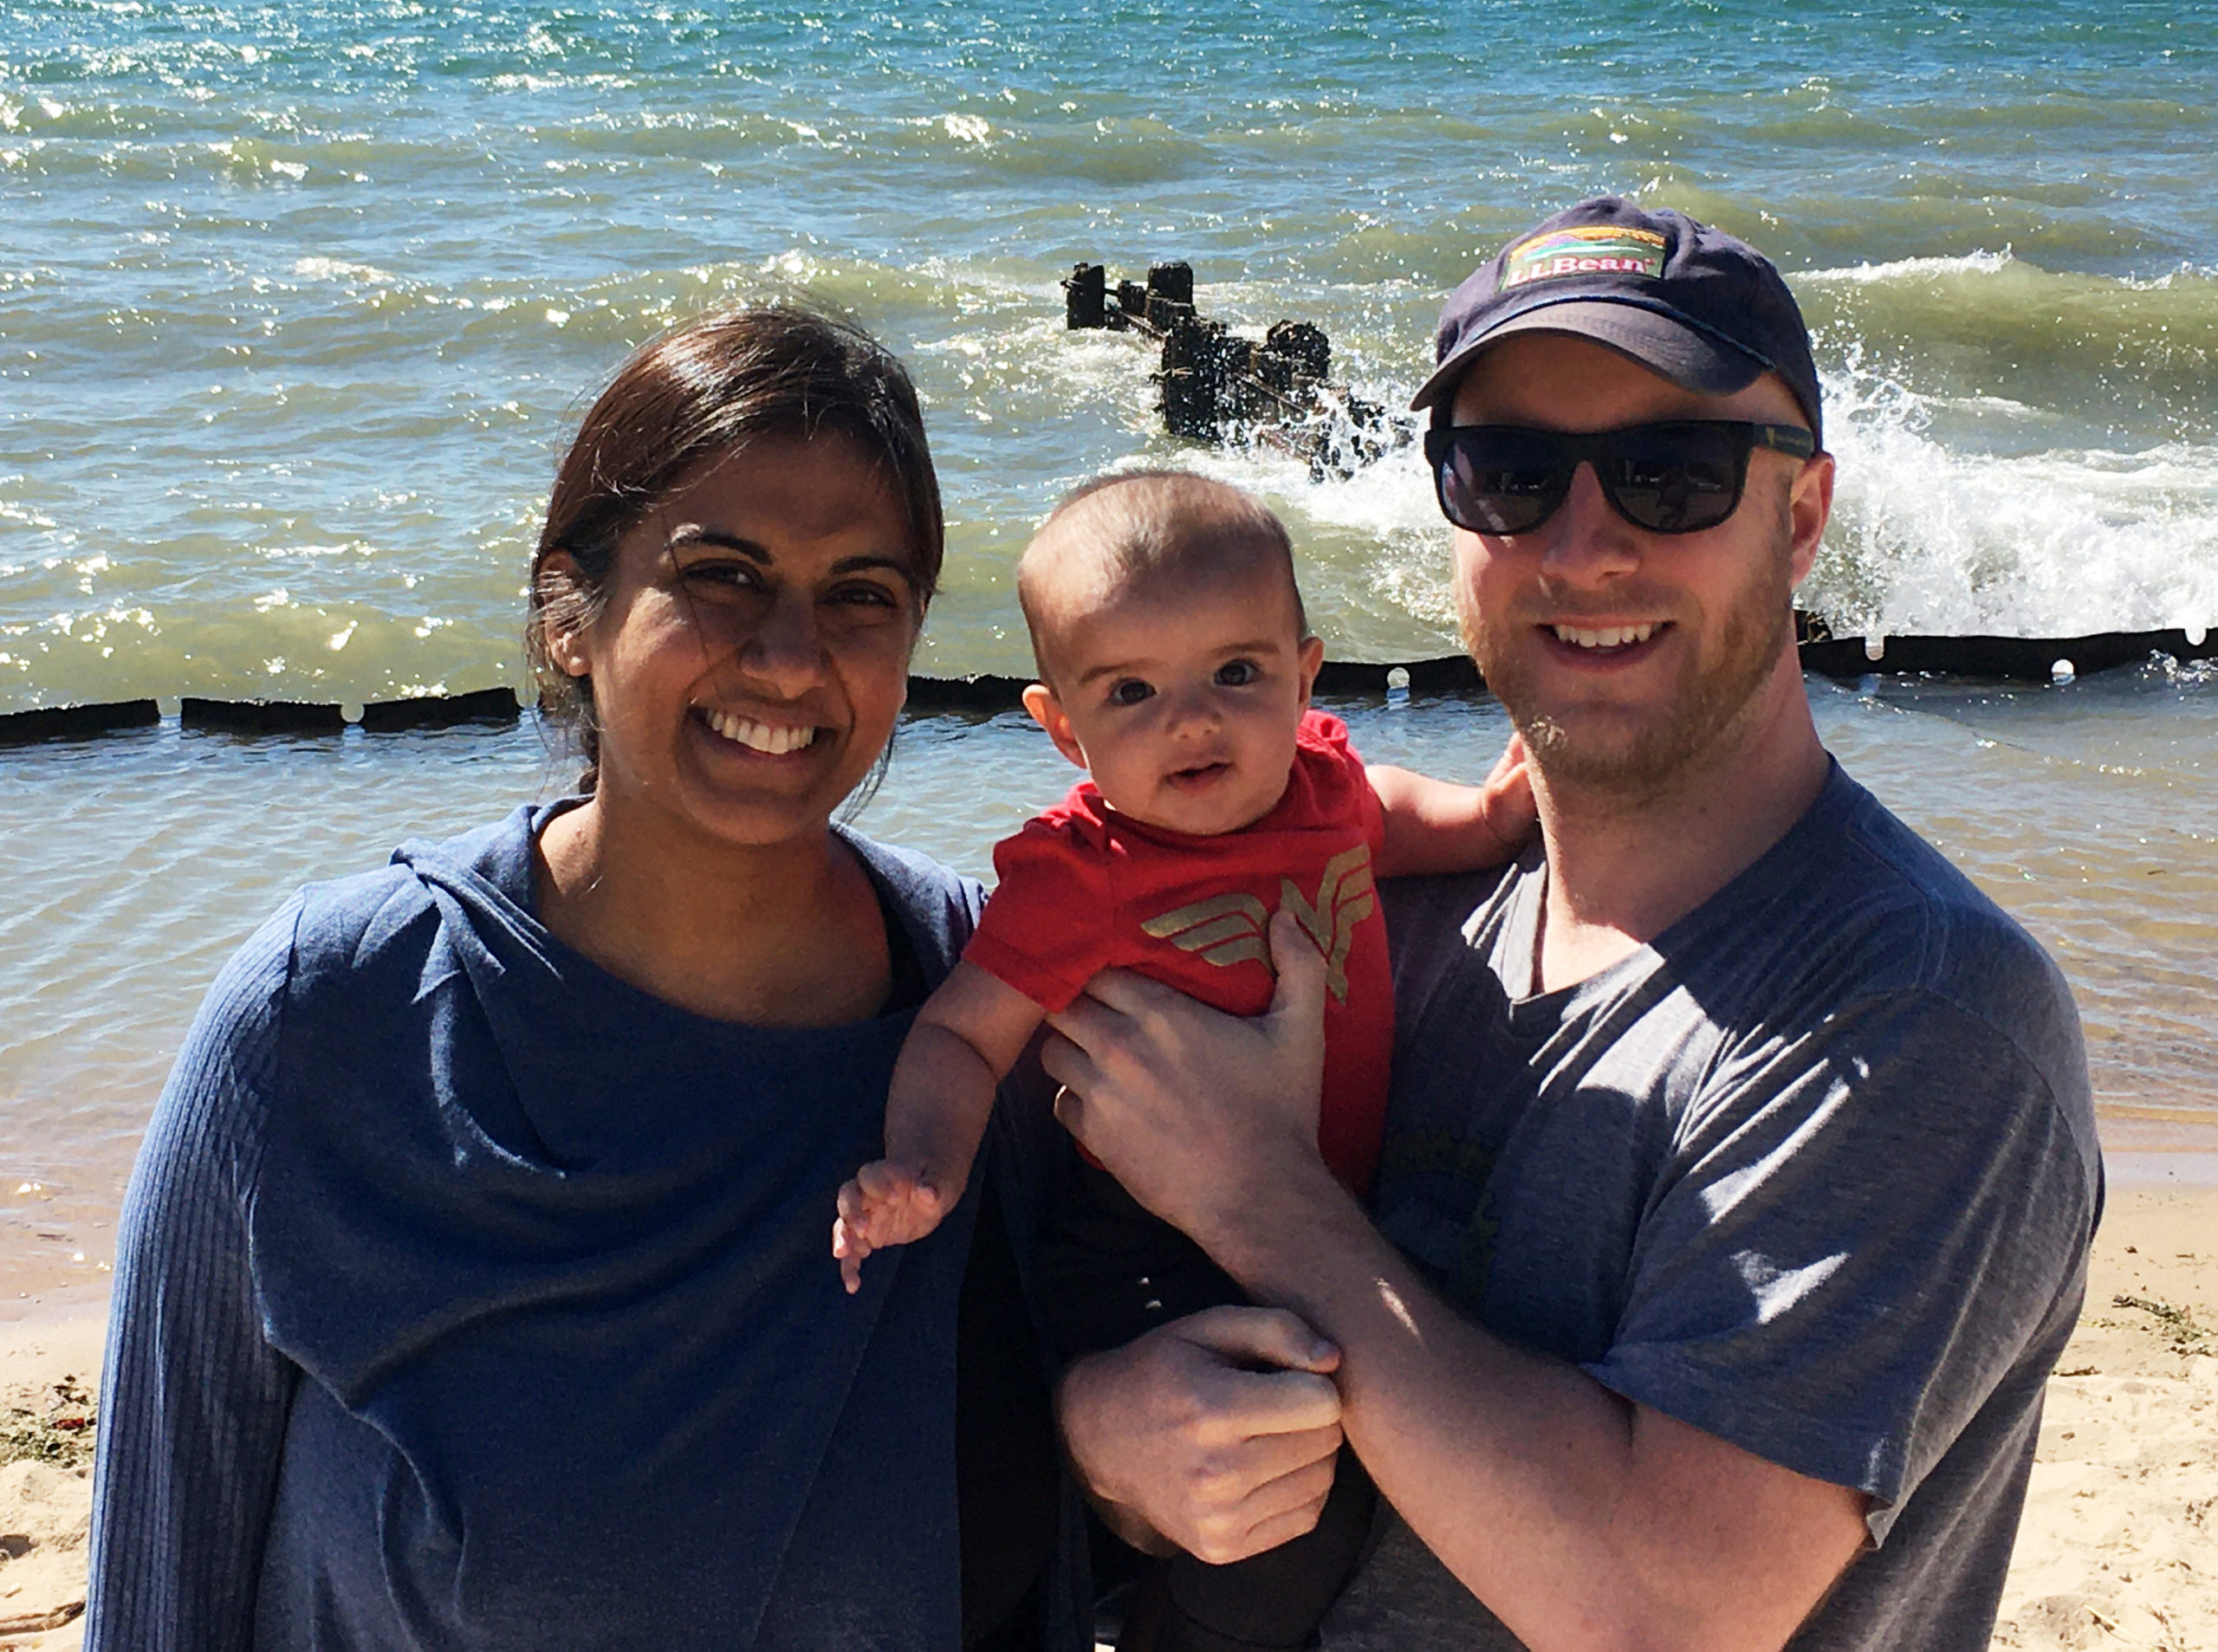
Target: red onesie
(1083,889)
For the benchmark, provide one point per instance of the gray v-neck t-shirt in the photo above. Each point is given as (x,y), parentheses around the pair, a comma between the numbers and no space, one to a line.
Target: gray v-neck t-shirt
(1814,1171)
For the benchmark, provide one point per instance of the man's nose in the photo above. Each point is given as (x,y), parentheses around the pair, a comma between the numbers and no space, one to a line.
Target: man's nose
(1586,541)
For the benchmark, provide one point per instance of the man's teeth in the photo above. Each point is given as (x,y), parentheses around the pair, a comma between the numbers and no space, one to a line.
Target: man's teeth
(1607,636)
(760,736)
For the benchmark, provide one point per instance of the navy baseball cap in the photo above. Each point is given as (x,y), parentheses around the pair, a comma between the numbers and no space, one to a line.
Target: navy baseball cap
(1705,310)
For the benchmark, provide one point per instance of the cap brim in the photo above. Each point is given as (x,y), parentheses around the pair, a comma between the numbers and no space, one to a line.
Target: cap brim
(1679,351)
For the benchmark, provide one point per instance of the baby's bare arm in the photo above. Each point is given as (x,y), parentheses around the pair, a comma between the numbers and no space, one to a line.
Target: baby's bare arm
(967,1037)
(968,1034)
(1435,826)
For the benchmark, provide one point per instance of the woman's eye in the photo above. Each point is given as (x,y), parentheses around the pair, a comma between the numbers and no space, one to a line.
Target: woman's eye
(1237,673)
(719,576)
(1129,691)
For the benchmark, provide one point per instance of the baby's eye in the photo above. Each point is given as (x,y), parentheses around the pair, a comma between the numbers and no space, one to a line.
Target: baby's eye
(1129,691)
(1238,673)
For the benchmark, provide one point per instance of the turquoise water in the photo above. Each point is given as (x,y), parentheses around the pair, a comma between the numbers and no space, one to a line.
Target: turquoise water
(297,304)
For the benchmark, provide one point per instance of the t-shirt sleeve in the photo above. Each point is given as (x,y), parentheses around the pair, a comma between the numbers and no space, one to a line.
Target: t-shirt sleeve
(1047,924)
(194,1401)
(1323,743)
(1871,1221)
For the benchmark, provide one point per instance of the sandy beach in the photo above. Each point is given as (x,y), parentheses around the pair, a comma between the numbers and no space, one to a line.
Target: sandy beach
(2120,1547)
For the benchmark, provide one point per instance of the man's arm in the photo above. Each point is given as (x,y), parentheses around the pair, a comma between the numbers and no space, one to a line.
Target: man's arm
(1581,1519)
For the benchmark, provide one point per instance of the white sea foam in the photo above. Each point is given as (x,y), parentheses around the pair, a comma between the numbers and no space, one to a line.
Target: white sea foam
(1970,263)
(1929,538)
(338,270)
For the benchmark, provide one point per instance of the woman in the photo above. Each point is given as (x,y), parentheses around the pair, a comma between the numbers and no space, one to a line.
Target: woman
(472,1290)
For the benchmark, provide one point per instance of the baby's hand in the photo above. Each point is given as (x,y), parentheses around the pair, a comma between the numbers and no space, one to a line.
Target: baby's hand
(884,1204)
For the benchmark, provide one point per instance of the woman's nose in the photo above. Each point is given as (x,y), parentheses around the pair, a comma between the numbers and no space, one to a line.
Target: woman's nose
(785,652)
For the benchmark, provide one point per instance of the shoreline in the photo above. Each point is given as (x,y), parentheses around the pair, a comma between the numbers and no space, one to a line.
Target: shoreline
(2115,1549)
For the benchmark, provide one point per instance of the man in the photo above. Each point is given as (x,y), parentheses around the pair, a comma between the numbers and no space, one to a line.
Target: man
(1741,1167)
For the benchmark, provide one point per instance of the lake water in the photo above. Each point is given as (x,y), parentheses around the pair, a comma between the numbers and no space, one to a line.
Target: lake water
(297,304)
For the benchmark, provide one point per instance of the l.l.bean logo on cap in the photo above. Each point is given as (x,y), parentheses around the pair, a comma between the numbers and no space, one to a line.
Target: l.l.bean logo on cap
(1590,249)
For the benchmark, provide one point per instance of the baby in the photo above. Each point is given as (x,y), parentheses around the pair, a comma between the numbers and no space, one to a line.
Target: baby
(1175,667)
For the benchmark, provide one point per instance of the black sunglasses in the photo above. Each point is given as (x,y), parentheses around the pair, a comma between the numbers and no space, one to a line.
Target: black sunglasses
(1674,478)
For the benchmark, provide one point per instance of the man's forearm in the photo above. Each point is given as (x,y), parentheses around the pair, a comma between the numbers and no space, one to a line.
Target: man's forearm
(1580,1519)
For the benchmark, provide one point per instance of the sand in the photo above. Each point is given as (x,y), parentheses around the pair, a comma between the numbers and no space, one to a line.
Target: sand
(2119,1547)
(50,1355)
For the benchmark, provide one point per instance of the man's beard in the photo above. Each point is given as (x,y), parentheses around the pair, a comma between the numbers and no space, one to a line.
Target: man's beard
(1708,705)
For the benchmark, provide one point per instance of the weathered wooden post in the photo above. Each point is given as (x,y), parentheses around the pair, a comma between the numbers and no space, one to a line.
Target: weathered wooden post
(1296,358)
(1085,297)
(1192,375)
(1170,294)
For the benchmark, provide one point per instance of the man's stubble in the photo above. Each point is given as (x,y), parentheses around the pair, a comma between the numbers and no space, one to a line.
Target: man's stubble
(1713,702)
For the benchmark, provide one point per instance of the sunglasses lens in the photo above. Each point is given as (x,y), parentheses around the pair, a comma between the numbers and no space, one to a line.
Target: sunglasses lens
(1675,478)
(1495,479)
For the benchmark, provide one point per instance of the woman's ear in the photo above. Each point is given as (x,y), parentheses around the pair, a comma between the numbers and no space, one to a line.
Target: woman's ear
(562,611)
(1048,711)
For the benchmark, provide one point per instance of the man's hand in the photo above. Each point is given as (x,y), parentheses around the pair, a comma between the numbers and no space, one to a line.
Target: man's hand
(1186,1106)
(1215,1433)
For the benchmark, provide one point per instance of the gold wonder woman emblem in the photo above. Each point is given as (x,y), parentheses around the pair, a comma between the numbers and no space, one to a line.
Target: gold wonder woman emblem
(1225,929)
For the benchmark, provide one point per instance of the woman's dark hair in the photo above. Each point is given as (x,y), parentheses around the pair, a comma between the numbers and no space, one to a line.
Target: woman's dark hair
(707,388)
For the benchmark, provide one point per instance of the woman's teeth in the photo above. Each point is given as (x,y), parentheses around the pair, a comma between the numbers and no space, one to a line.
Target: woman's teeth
(1607,636)
(760,736)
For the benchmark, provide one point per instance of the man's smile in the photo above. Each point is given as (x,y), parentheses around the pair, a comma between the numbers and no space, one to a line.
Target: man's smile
(1604,636)
(1610,644)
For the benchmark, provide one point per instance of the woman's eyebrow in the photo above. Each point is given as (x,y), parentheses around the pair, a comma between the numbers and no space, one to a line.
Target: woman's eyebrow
(862,564)
(694,534)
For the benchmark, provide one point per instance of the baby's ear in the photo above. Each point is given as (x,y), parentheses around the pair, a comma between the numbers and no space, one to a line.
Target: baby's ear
(1048,711)
(1310,661)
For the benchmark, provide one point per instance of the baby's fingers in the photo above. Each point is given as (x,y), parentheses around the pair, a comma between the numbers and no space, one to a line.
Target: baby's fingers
(850,1246)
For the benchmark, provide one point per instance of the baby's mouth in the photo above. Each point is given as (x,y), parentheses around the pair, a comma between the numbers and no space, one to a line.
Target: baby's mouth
(773,739)
(1199,774)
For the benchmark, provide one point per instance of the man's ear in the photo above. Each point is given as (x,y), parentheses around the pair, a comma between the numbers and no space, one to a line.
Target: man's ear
(1048,711)
(1310,662)
(562,603)
(1809,504)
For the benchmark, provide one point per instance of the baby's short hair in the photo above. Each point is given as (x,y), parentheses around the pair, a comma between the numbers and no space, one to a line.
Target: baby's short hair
(1133,526)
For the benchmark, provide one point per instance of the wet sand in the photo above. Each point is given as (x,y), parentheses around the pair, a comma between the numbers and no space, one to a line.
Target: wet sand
(2117,1550)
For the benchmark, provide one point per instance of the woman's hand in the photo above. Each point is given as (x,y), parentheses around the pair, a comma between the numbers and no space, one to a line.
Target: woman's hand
(1215,1433)
(1191,1109)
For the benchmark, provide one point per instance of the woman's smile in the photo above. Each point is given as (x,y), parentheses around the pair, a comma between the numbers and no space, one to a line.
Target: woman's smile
(768,738)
